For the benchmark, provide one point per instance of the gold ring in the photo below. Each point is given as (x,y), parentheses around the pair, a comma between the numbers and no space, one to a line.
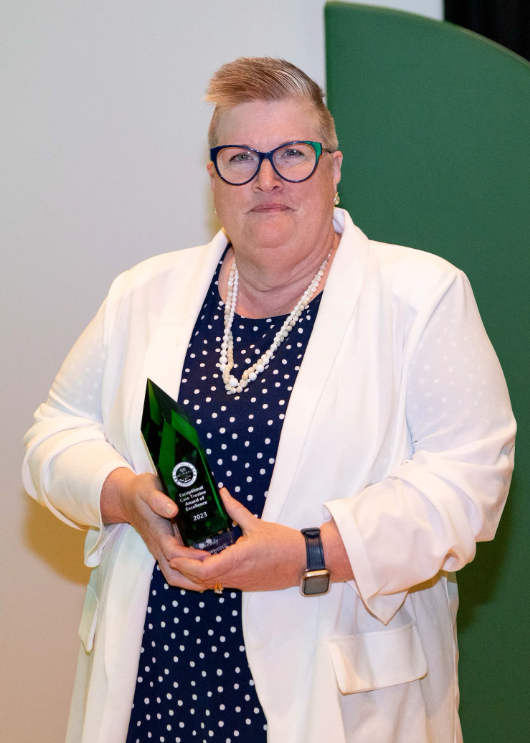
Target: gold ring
(218,588)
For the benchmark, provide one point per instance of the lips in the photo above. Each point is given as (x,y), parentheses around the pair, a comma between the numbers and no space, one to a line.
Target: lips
(270,208)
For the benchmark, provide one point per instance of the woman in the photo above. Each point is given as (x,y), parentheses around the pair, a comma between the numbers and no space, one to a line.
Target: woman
(338,384)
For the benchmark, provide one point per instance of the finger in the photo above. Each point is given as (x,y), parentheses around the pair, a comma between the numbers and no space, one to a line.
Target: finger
(199,571)
(160,503)
(193,553)
(177,579)
(171,548)
(177,533)
(237,511)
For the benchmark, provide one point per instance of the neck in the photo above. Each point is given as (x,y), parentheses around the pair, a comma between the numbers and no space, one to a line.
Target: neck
(272,280)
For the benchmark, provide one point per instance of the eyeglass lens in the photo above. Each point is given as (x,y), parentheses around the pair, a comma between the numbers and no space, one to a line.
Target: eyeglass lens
(293,162)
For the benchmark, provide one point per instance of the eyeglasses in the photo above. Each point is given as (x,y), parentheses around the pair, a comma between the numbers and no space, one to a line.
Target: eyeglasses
(293,161)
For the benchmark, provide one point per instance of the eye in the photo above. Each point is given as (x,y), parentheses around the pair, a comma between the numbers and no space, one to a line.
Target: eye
(292,152)
(242,157)
(292,155)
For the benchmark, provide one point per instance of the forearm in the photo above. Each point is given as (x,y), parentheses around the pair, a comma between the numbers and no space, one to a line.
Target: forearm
(335,555)
(111,501)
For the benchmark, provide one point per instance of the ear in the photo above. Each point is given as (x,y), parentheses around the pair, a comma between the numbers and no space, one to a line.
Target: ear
(211,172)
(336,166)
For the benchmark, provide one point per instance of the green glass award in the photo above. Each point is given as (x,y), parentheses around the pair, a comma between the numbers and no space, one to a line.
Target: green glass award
(183,470)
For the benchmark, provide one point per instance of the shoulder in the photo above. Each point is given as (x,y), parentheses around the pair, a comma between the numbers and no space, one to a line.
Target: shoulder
(398,259)
(153,281)
(410,274)
(147,290)
(155,272)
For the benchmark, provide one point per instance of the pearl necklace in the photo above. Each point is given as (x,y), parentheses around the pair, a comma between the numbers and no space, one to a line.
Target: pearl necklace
(226,360)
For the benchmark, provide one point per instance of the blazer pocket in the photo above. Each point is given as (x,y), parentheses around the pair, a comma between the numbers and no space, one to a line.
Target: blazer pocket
(374,660)
(87,626)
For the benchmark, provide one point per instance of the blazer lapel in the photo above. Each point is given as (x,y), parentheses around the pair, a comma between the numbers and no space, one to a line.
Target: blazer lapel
(164,359)
(336,309)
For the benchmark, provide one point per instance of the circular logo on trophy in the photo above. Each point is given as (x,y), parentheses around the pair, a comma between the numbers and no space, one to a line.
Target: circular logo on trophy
(184,474)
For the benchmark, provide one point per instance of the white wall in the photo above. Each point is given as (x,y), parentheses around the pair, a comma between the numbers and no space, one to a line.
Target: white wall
(103,151)
(429,8)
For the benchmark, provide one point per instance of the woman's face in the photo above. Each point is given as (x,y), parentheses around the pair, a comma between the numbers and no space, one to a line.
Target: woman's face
(269,212)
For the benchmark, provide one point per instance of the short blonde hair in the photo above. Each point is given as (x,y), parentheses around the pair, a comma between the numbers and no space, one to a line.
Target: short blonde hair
(266,79)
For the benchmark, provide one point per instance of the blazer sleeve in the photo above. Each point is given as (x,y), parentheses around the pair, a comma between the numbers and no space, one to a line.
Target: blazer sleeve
(430,511)
(67,455)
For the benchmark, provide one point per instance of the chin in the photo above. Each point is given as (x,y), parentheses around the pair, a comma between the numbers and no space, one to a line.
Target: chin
(272,237)
(272,230)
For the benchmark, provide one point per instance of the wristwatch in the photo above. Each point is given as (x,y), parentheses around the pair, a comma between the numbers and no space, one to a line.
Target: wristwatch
(316,581)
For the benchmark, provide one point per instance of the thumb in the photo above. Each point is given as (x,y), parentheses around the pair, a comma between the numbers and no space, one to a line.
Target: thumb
(237,511)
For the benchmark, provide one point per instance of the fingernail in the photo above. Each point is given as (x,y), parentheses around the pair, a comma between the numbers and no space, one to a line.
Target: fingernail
(170,509)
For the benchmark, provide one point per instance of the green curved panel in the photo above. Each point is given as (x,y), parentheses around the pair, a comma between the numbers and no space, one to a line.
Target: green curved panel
(434,122)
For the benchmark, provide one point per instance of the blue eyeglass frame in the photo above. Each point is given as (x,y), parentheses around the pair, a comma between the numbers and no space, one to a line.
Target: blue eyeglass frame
(317,146)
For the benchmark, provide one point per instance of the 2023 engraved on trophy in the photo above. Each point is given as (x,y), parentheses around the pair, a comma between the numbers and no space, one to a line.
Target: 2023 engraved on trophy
(184,472)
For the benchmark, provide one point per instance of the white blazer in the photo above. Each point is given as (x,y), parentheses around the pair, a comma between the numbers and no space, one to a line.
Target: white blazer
(411,486)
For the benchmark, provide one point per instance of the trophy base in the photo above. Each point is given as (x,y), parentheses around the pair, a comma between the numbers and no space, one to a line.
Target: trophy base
(218,542)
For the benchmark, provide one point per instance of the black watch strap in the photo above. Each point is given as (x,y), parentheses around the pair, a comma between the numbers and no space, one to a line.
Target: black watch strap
(314,549)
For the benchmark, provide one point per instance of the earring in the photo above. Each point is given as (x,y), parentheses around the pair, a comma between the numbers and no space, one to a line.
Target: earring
(214,210)
(336,200)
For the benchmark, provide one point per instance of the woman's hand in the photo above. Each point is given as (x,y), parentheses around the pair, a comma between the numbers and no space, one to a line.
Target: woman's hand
(268,557)
(138,500)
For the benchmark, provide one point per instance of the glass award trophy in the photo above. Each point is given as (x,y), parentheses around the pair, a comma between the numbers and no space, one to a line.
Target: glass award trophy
(183,470)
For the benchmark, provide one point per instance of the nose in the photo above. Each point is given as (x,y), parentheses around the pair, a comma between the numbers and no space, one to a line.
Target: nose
(267,179)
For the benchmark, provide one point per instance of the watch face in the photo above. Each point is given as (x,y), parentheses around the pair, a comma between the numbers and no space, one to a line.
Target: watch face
(316,583)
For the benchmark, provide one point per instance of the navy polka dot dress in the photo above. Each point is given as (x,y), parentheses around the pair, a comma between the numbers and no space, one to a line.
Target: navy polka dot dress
(194,682)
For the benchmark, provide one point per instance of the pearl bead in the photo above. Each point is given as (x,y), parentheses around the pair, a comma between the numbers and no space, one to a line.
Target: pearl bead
(226,358)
